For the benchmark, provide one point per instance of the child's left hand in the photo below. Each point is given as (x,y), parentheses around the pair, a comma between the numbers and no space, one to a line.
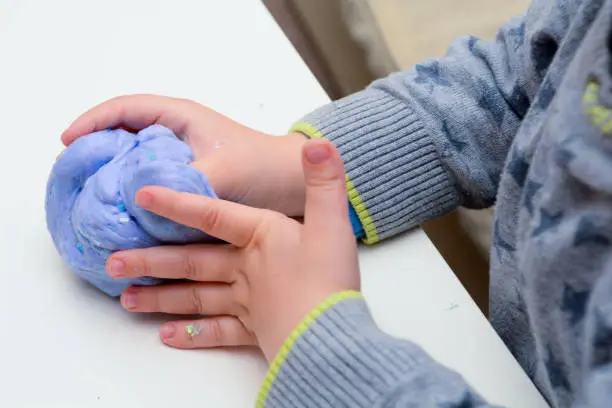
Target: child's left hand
(257,289)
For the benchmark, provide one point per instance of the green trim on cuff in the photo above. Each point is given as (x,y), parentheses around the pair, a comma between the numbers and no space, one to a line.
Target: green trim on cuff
(301,328)
(371,236)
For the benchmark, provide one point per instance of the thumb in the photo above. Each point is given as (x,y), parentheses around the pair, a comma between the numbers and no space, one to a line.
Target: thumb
(326,212)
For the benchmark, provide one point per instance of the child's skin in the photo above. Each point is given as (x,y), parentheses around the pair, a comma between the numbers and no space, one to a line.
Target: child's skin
(243,165)
(245,285)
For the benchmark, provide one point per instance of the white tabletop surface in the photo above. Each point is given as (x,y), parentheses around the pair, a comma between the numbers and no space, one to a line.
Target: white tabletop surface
(63,344)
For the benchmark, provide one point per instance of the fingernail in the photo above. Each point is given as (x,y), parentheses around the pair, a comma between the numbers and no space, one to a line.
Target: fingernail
(116,268)
(316,153)
(144,199)
(167,331)
(129,300)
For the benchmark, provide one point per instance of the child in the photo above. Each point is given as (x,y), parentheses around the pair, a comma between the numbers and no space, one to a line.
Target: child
(524,122)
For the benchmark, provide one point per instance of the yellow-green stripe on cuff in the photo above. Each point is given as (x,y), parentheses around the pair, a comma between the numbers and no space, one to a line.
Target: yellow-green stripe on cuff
(371,236)
(301,328)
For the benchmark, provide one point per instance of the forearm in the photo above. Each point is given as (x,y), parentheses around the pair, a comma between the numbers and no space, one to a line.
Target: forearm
(338,357)
(421,142)
(395,179)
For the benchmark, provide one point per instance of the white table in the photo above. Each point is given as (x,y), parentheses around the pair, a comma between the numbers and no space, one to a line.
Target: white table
(62,344)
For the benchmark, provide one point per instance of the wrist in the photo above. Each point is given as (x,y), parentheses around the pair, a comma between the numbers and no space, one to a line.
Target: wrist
(288,153)
(281,352)
(294,319)
(276,347)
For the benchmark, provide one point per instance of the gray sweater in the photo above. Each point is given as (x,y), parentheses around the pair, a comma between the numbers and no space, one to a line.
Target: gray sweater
(524,122)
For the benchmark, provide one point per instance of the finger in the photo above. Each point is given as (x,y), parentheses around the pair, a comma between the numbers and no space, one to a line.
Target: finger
(135,112)
(209,263)
(228,221)
(207,299)
(326,197)
(221,331)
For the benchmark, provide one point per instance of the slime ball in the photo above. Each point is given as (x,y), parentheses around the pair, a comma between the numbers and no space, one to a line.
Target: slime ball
(90,201)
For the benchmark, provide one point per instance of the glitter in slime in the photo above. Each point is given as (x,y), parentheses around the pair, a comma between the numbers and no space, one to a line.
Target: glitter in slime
(90,201)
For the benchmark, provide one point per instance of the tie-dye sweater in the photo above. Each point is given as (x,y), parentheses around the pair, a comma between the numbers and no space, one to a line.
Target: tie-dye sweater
(523,122)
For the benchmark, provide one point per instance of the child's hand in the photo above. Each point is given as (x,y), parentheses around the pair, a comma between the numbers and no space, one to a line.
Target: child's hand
(243,165)
(257,289)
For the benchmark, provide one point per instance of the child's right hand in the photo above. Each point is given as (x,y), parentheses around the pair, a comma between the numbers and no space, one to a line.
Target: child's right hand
(243,165)
(272,274)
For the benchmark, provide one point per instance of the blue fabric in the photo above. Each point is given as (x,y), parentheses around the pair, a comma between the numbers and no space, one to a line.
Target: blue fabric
(355,223)
(90,205)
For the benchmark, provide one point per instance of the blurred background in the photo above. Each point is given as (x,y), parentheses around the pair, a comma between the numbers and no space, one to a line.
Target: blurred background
(349,43)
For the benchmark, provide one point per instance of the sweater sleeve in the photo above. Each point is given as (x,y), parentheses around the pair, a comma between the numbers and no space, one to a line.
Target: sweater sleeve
(337,357)
(597,357)
(419,143)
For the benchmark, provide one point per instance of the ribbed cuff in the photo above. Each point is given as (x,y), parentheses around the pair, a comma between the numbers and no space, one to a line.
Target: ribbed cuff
(395,179)
(341,359)
(301,328)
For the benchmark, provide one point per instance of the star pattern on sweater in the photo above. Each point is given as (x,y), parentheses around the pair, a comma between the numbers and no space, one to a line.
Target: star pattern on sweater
(489,102)
(519,102)
(554,368)
(588,232)
(573,303)
(518,35)
(522,282)
(531,189)
(429,75)
(499,243)
(548,222)
(457,144)
(602,339)
(518,167)
(565,156)
(468,400)
(521,306)
(472,43)
(546,94)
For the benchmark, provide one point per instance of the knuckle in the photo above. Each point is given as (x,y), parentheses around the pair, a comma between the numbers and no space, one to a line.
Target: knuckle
(146,300)
(242,311)
(259,235)
(185,102)
(210,220)
(173,206)
(117,100)
(193,296)
(121,109)
(269,215)
(241,282)
(215,332)
(190,269)
(327,183)
(151,300)
(141,266)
